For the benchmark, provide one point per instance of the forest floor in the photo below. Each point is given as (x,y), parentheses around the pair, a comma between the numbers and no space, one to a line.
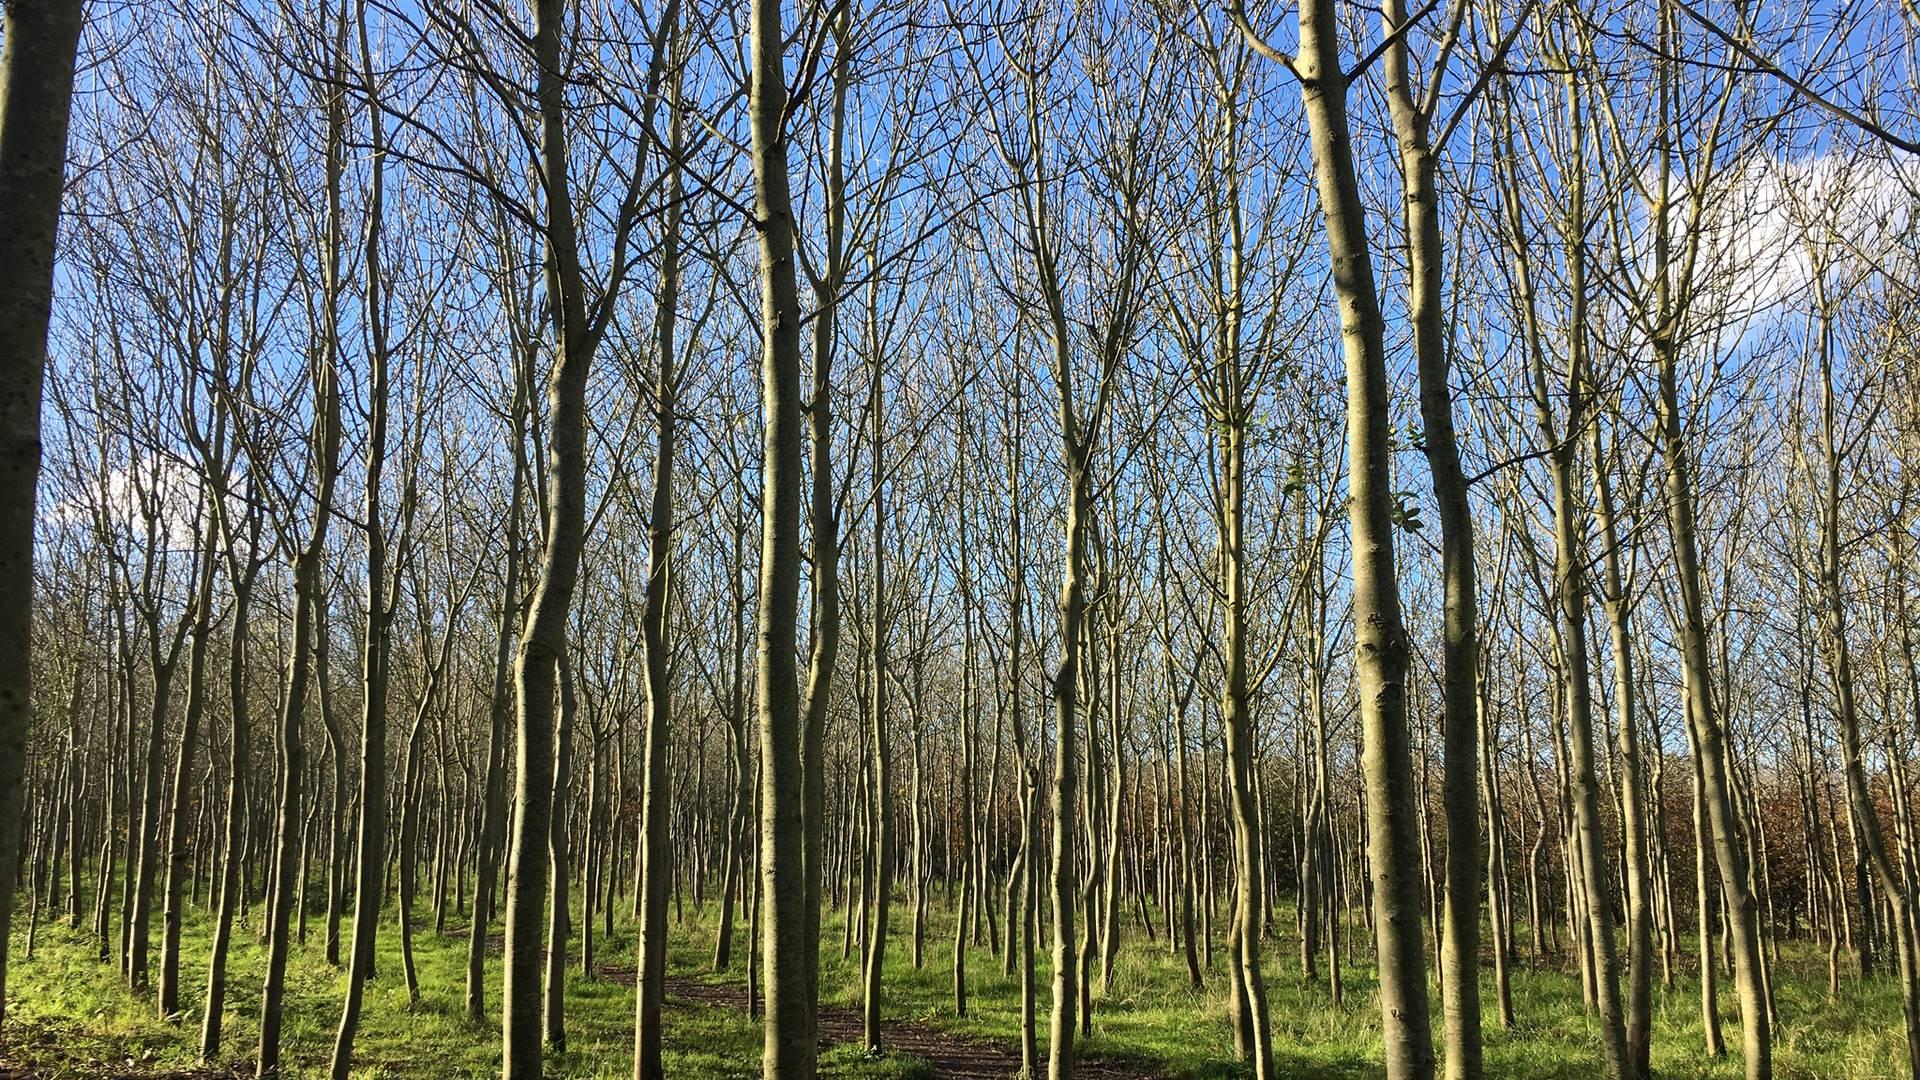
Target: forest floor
(71,1017)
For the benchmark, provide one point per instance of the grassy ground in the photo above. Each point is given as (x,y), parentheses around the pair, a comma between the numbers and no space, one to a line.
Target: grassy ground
(1152,1014)
(71,1016)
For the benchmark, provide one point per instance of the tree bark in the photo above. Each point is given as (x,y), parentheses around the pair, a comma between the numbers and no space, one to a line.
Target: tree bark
(376,658)
(553,1012)
(823,656)
(233,878)
(544,636)
(178,853)
(1381,652)
(1420,202)
(656,854)
(36,90)
(879,743)
(309,621)
(790,1052)
(1639,1020)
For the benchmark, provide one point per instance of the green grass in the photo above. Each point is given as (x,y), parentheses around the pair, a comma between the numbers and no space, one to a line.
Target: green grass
(71,1016)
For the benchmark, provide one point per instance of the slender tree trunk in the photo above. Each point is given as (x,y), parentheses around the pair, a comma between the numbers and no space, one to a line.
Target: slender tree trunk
(338,866)
(972,895)
(1707,905)
(823,657)
(1639,1020)
(164,664)
(1459,928)
(879,744)
(1663,313)
(288,823)
(1182,807)
(376,659)
(789,1052)
(1116,805)
(553,1013)
(233,878)
(1715,779)
(1498,894)
(656,855)
(1072,613)
(309,621)
(1023,919)
(410,797)
(1236,715)
(544,637)
(735,884)
(178,850)
(1587,864)
(493,811)
(1381,653)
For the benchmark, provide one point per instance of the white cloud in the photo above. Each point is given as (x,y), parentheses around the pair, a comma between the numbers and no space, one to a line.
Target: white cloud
(1852,212)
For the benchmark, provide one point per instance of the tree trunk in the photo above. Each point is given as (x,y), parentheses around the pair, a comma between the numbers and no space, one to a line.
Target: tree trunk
(1236,716)
(376,675)
(1710,741)
(1381,652)
(410,797)
(880,765)
(823,656)
(1639,1020)
(553,1012)
(656,854)
(544,637)
(233,878)
(36,90)
(493,811)
(1459,928)
(309,620)
(1072,613)
(790,1051)
(735,874)
(177,834)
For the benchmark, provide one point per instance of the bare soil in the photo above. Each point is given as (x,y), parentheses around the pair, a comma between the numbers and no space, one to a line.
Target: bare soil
(949,1055)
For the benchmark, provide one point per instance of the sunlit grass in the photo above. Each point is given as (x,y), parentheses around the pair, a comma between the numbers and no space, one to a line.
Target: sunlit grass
(71,1015)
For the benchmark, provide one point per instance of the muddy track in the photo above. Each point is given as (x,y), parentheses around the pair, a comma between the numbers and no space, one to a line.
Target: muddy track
(951,1056)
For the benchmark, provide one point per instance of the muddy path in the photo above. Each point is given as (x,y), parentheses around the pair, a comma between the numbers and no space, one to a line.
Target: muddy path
(959,1057)
(951,1056)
